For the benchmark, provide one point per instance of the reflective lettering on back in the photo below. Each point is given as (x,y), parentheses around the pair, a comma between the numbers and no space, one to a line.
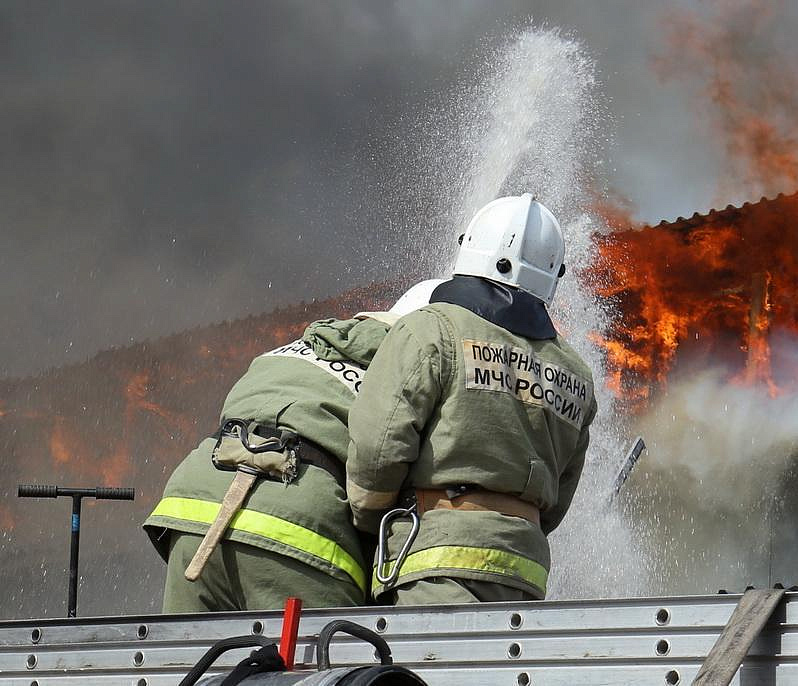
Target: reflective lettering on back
(348,373)
(528,378)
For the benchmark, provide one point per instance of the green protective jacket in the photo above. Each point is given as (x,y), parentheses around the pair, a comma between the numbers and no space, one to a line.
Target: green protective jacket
(308,387)
(452,399)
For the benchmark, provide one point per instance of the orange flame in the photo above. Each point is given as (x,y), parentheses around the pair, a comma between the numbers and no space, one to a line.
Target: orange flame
(61,448)
(127,417)
(7,522)
(710,288)
(714,289)
(735,58)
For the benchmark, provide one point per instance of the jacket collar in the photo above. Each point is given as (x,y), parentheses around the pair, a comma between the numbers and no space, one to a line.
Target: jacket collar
(510,308)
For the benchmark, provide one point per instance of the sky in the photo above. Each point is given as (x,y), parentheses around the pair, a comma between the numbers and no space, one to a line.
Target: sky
(171,165)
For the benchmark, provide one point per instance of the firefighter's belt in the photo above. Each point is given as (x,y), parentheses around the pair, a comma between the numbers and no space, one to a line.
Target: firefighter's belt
(311,453)
(476,501)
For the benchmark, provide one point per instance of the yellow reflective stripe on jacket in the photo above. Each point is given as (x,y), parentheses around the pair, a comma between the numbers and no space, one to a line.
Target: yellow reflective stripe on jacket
(472,559)
(267,526)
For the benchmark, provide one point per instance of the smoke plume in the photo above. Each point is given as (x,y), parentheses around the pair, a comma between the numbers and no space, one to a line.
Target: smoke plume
(716,491)
(735,57)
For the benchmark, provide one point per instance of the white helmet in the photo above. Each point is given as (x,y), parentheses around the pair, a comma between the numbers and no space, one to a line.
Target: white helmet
(515,241)
(415,297)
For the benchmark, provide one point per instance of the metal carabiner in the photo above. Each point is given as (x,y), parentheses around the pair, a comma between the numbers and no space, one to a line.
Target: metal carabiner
(382,543)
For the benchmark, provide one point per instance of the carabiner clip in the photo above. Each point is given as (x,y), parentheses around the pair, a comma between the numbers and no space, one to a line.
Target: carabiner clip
(382,547)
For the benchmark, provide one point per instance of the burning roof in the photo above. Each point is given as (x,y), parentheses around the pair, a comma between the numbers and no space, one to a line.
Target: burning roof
(715,289)
(152,400)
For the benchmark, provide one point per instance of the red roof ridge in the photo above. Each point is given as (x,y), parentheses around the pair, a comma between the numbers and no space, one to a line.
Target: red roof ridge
(727,213)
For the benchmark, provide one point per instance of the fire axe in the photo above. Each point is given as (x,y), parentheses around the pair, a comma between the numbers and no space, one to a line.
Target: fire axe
(629,463)
(77,494)
(239,489)
(234,442)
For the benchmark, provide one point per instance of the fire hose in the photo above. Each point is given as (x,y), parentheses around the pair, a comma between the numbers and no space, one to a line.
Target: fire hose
(271,668)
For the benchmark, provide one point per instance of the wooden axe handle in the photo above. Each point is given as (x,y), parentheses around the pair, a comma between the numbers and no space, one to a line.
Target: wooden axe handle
(233,499)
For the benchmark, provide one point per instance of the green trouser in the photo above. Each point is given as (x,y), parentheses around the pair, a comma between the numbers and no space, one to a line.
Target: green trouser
(244,577)
(446,590)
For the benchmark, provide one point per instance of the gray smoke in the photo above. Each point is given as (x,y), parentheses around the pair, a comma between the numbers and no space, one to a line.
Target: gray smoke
(716,492)
(169,165)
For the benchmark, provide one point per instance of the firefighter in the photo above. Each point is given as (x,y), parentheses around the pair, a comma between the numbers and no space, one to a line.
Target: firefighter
(483,413)
(293,535)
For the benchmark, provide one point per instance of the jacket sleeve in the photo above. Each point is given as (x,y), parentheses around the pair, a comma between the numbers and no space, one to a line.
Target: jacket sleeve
(569,479)
(398,394)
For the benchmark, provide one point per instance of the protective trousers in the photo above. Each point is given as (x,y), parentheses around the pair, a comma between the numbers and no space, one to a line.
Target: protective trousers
(243,577)
(446,591)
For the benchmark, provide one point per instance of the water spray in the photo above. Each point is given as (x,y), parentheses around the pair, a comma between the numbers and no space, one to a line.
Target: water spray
(533,121)
(77,495)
